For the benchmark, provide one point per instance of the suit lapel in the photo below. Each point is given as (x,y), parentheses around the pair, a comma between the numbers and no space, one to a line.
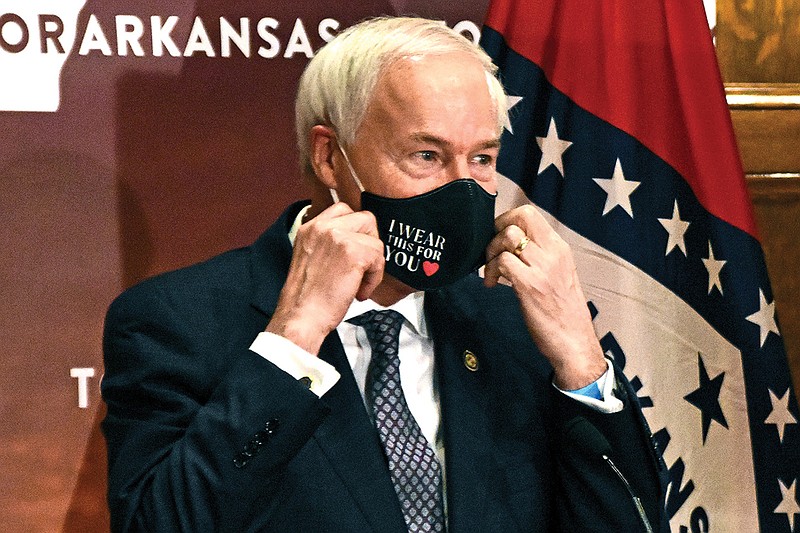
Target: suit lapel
(270,257)
(346,436)
(464,417)
(351,443)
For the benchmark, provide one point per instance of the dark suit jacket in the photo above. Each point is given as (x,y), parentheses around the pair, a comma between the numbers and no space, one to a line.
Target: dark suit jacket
(204,435)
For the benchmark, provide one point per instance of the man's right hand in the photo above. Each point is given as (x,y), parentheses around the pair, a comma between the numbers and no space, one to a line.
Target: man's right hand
(338,256)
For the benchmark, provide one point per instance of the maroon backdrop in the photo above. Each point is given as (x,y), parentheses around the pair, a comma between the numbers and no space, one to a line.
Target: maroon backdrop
(155,158)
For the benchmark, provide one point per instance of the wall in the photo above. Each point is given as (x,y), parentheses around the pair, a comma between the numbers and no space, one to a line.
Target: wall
(154,159)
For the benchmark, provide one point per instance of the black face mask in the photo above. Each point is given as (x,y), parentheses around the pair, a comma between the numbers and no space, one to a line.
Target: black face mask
(436,238)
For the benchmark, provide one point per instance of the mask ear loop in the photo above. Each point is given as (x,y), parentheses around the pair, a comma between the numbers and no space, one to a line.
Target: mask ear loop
(333,192)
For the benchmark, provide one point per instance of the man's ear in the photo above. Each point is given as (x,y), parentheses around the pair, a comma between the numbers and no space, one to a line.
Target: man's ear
(322,143)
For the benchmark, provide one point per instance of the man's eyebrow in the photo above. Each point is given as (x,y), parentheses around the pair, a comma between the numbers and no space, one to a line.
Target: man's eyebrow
(433,139)
(429,139)
(493,143)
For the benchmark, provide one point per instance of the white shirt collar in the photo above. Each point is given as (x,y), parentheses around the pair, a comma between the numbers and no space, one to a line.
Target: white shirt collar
(298,221)
(411,307)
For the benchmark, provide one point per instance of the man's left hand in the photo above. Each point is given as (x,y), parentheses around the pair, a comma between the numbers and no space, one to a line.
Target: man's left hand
(539,266)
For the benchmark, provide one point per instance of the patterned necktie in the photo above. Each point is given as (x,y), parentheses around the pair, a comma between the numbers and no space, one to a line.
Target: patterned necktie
(416,473)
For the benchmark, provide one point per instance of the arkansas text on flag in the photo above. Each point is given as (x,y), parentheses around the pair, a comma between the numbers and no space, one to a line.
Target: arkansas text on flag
(620,132)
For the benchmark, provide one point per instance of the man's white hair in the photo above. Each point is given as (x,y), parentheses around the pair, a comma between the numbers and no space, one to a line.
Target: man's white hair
(337,84)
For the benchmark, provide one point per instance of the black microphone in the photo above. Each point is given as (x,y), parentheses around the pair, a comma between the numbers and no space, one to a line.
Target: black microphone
(590,441)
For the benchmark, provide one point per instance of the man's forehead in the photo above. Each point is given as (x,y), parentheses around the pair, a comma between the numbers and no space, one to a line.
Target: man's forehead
(424,137)
(447,61)
(444,96)
(429,76)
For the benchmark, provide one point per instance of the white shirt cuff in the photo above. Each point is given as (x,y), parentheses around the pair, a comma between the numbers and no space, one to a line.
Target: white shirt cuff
(609,403)
(295,361)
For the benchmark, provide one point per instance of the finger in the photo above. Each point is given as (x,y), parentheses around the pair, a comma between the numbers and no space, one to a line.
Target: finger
(372,278)
(506,240)
(335,210)
(506,266)
(528,219)
(363,222)
(491,271)
(359,222)
(374,265)
(491,277)
(356,222)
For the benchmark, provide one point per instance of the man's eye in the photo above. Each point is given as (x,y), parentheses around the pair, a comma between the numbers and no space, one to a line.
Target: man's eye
(426,155)
(483,159)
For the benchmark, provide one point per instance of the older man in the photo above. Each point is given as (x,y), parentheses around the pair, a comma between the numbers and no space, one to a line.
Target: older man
(349,371)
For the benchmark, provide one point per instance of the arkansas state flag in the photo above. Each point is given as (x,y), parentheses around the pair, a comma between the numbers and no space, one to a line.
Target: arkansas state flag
(619,131)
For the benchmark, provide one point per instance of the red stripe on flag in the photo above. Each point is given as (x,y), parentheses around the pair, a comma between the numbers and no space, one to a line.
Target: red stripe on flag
(647,67)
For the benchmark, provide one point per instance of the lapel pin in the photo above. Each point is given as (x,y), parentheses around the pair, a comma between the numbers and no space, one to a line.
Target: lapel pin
(470,361)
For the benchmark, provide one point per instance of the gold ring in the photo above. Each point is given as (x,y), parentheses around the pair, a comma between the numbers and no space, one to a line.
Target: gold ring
(523,242)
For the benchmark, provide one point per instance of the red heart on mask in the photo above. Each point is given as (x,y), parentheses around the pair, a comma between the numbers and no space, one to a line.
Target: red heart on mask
(430,268)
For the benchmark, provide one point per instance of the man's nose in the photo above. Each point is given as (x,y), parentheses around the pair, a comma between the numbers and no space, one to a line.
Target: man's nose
(458,169)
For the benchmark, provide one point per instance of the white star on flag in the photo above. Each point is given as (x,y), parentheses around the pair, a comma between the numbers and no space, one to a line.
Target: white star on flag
(552,149)
(618,190)
(511,101)
(676,228)
(788,505)
(714,266)
(780,415)
(764,317)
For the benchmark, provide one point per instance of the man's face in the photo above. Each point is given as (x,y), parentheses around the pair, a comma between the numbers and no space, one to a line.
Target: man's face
(431,121)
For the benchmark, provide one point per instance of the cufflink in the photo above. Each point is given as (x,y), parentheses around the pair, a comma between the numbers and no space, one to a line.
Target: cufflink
(470,361)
